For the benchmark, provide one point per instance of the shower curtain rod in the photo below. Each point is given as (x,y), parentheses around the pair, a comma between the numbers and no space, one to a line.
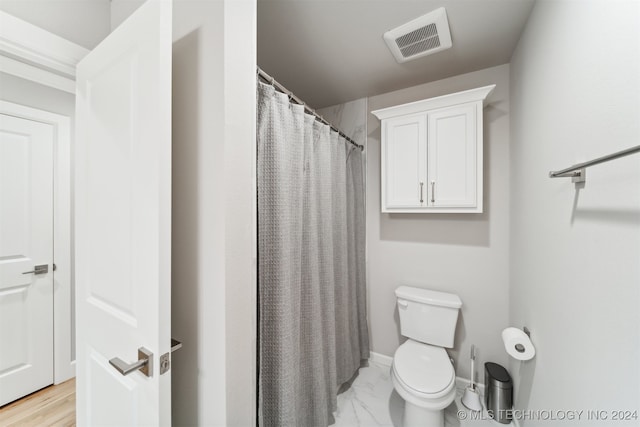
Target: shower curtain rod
(578,172)
(267,78)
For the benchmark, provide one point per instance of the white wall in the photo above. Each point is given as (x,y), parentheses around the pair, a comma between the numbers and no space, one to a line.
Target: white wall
(85,22)
(26,92)
(198,291)
(31,94)
(466,254)
(214,193)
(121,10)
(240,205)
(575,252)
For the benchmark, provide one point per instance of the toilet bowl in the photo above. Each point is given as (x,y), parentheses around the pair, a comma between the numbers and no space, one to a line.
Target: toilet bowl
(423,376)
(421,371)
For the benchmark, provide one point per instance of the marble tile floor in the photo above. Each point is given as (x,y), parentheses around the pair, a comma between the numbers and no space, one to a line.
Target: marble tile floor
(372,401)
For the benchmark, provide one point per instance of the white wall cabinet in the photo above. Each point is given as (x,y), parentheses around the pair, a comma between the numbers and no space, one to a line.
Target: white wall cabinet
(405,161)
(431,154)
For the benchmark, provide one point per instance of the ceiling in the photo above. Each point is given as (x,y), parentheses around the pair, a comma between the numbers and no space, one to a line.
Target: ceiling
(328,52)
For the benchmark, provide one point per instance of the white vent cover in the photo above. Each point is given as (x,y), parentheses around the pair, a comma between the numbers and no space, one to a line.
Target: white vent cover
(423,36)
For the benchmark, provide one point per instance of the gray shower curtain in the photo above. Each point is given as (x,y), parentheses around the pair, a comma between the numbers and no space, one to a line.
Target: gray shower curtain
(312,311)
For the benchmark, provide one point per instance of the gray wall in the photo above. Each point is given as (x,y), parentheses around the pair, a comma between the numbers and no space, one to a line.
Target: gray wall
(350,118)
(83,22)
(466,254)
(575,252)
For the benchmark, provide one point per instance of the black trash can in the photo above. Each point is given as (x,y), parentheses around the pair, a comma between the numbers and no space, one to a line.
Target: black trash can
(498,392)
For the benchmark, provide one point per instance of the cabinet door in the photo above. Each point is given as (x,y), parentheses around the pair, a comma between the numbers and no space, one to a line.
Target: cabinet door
(455,158)
(404,160)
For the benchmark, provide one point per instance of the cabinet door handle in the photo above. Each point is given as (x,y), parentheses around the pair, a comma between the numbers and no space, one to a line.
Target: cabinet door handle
(421,186)
(433,191)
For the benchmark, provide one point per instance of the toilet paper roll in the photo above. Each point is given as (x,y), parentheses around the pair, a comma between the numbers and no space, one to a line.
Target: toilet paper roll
(518,344)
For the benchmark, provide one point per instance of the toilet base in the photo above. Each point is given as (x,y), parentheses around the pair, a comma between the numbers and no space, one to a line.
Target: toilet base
(415,416)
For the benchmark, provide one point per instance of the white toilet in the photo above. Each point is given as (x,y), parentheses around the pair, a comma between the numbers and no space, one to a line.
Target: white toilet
(422,372)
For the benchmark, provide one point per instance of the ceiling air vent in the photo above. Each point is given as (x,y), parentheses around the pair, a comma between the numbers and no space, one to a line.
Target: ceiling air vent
(423,36)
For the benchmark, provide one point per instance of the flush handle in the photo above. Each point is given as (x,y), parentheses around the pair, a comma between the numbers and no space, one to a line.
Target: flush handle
(402,303)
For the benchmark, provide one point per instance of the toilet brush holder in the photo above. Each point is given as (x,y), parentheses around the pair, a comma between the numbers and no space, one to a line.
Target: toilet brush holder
(471,397)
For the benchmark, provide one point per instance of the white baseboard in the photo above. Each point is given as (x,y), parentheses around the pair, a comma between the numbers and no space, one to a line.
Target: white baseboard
(381,359)
(65,373)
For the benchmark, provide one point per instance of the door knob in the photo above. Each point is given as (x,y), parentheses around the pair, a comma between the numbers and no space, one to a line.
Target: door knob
(144,363)
(39,269)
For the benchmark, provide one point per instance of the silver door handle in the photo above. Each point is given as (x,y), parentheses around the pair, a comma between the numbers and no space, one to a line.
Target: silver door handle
(144,363)
(421,186)
(39,269)
(433,191)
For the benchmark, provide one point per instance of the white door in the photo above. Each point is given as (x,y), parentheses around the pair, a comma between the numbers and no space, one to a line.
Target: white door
(26,240)
(123,221)
(453,157)
(404,156)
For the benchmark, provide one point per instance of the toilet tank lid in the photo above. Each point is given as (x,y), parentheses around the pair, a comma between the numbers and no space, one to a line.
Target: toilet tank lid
(427,296)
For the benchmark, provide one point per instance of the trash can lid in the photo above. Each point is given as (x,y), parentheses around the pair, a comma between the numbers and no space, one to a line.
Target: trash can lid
(498,376)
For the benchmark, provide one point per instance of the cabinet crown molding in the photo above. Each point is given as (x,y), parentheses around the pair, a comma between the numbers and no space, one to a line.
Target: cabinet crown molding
(472,95)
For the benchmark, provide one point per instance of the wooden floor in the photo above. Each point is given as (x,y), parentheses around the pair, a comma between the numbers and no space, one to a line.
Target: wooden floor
(51,406)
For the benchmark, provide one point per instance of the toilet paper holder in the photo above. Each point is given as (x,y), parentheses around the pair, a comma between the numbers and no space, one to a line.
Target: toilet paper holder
(520,347)
(517,343)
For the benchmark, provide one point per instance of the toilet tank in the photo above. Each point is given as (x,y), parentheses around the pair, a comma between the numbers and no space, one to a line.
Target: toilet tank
(428,316)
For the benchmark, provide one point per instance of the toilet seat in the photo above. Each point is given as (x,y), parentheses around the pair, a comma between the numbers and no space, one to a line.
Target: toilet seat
(423,370)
